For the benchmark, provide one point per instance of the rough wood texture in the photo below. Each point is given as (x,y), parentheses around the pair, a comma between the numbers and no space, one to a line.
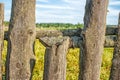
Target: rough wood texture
(52,33)
(93,39)
(115,69)
(21,38)
(55,33)
(69,32)
(1,35)
(49,41)
(55,59)
(76,39)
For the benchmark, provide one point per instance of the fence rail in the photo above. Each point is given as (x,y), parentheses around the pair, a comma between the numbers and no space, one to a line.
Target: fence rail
(74,35)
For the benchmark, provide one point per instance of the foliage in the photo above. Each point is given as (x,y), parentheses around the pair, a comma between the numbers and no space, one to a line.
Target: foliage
(6,23)
(4,56)
(58,26)
(54,25)
(39,66)
(106,63)
(72,70)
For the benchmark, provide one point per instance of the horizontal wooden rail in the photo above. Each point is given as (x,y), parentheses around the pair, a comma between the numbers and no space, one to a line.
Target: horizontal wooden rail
(52,33)
(74,41)
(74,35)
(70,32)
(111,30)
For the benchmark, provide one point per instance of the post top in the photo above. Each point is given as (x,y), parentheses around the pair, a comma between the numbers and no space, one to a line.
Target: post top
(1,3)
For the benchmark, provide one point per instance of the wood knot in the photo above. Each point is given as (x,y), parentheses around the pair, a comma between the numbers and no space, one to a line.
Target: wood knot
(18,65)
(98,2)
(30,31)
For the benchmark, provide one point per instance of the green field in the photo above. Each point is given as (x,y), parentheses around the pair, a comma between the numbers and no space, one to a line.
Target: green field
(72,58)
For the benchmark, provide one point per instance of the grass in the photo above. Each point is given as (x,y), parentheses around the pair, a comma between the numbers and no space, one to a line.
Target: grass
(72,58)
(106,63)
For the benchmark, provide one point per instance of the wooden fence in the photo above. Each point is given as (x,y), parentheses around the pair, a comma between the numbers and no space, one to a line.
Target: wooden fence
(22,33)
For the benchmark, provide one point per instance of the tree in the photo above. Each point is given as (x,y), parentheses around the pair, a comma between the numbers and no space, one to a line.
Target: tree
(115,69)
(21,38)
(93,39)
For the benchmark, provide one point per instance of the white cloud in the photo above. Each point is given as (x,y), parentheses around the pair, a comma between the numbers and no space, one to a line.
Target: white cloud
(7,15)
(72,1)
(56,16)
(113,12)
(67,11)
(42,0)
(71,11)
(75,3)
(54,7)
(112,15)
(112,20)
(114,3)
(57,20)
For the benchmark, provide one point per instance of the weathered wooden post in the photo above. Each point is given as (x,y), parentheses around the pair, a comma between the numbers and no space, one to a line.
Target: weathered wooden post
(1,35)
(21,38)
(55,58)
(115,69)
(93,39)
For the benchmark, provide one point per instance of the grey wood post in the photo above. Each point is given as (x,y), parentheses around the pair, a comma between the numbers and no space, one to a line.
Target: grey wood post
(1,35)
(21,39)
(93,39)
(115,69)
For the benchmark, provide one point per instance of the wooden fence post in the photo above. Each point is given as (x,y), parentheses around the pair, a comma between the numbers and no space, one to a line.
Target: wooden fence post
(1,35)
(55,58)
(115,69)
(93,39)
(21,38)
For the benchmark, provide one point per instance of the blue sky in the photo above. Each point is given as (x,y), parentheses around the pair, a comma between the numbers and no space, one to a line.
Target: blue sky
(65,11)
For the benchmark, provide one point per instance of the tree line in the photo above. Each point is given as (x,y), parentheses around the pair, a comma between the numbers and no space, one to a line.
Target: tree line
(56,25)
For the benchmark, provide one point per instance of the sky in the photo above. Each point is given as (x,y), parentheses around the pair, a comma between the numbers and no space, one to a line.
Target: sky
(65,11)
